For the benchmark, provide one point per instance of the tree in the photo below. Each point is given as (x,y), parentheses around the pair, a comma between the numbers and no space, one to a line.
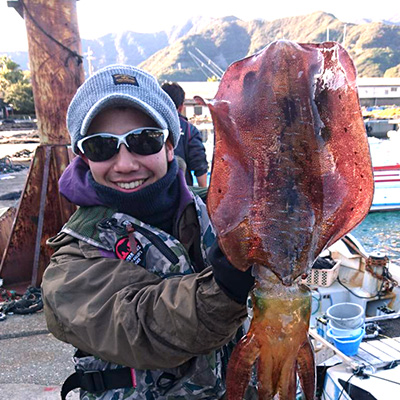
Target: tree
(393,72)
(20,96)
(15,86)
(9,73)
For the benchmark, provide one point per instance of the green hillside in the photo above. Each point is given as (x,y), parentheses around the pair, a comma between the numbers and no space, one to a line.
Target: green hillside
(375,47)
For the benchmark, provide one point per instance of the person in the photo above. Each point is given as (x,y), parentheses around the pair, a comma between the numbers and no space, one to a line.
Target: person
(137,282)
(190,145)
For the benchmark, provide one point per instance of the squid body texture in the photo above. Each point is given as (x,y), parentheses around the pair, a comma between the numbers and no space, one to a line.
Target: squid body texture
(291,175)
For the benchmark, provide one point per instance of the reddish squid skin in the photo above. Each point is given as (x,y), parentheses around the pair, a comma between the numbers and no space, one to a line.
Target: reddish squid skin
(291,175)
(291,171)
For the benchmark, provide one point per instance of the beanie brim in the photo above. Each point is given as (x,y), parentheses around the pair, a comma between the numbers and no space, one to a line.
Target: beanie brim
(115,100)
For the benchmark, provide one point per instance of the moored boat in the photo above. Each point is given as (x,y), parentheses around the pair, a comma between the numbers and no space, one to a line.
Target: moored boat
(387,188)
(386,165)
(368,280)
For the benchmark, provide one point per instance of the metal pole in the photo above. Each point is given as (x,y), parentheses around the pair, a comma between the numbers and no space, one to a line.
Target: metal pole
(42,204)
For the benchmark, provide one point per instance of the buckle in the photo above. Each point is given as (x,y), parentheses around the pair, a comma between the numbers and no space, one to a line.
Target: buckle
(93,381)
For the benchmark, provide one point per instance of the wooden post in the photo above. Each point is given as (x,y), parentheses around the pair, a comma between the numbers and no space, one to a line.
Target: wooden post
(55,63)
(56,72)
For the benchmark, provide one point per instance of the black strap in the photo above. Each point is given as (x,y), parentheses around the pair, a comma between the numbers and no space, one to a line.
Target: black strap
(98,381)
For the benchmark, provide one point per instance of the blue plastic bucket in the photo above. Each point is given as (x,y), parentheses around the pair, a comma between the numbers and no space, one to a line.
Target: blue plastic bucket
(347,345)
(355,332)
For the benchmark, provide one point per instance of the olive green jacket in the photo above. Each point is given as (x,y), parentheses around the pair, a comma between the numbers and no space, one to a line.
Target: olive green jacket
(127,315)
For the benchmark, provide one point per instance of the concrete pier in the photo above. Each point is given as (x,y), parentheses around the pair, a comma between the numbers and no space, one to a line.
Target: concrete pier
(33,363)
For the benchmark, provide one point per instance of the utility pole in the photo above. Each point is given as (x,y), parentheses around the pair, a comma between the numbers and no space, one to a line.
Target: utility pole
(90,58)
(344,36)
(56,71)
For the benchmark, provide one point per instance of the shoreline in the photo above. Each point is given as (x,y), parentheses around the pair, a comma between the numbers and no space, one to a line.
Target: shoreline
(14,143)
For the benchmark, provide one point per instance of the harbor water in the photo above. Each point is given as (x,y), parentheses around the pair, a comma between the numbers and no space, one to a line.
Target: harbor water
(380,231)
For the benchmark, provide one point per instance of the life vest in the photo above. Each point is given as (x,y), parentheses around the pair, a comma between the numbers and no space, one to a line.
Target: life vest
(126,237)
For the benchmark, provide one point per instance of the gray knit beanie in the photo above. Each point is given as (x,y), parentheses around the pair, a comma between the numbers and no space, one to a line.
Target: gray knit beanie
(121,85)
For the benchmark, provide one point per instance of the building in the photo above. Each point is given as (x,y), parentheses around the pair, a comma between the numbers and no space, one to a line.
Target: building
(5,110)
(379,91)
(205,90)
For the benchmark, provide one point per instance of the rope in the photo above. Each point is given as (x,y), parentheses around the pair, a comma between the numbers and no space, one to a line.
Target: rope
(383,379)
(388,283)
(377,262)
(71,53)
(348,380)
(386,277)
(355,294)
(318,299)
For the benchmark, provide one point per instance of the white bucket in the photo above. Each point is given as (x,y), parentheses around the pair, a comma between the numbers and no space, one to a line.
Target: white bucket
(346,315)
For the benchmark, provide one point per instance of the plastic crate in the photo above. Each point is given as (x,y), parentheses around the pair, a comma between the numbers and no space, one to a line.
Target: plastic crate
(323,277)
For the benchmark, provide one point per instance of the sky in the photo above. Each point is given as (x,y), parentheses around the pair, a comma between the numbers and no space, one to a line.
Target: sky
(99,17)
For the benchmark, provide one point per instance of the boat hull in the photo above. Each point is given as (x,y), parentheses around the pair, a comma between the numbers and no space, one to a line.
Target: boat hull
(387,188)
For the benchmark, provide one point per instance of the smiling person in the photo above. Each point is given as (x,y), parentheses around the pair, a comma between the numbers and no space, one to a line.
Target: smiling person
(137,282)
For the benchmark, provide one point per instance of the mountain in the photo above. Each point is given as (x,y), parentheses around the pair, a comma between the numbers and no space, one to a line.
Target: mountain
(374,47)
(125,48)
(189,27)
(177,54)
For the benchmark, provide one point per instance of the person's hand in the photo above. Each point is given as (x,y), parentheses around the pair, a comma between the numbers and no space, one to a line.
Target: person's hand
(234,283)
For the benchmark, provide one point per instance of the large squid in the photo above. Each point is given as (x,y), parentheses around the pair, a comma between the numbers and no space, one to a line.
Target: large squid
(291,175)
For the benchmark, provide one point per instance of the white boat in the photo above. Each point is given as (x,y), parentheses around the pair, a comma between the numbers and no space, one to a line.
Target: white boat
(374,371)
(387,188)
(386,166)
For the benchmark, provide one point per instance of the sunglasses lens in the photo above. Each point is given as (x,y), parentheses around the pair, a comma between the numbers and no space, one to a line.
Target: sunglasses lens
(100,148)
(146,143)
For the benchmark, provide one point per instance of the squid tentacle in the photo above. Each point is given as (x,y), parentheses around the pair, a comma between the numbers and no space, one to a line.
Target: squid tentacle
(306,368)
(287,381)
(267,376)
(240,366)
